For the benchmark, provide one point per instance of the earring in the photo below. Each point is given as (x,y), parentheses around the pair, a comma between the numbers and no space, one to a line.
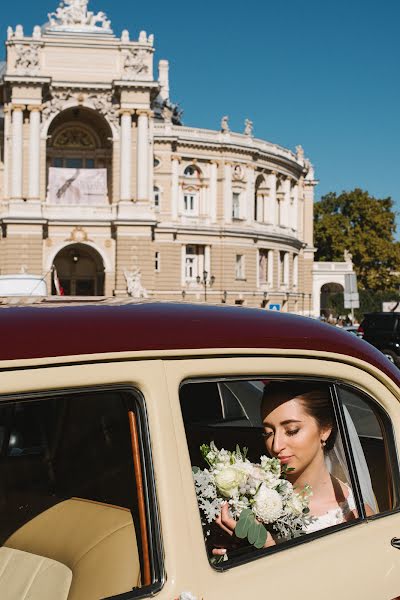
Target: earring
(323,443)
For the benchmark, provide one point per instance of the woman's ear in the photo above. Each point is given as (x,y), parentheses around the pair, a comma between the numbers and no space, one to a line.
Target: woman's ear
(325,433)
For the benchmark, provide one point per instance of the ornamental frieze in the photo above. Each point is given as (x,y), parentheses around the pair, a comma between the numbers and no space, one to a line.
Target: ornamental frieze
(102,102)
(27,59)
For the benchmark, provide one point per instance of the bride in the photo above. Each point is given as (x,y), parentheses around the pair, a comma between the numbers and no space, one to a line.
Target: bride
(300,430)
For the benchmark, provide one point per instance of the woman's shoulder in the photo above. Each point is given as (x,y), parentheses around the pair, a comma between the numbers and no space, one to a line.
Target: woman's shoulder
(346,495)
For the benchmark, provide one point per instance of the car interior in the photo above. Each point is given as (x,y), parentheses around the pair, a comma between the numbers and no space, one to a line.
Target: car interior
(69,501)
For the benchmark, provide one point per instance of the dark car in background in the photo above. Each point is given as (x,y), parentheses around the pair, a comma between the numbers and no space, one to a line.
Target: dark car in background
(382,330)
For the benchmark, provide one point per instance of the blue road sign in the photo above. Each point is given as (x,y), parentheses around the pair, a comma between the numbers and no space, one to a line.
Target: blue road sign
(274,307)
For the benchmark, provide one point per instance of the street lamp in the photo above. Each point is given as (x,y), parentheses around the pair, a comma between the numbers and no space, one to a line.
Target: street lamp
(204,282)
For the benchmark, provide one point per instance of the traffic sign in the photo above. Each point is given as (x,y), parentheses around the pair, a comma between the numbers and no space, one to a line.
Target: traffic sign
(274,307)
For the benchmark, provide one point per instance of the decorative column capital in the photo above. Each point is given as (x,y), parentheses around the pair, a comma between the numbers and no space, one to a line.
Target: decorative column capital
(176,157)
(35,107)
(144,112)
(18,107)
(126,112)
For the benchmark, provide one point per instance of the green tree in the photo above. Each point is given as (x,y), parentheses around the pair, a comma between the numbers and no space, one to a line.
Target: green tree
(366,227)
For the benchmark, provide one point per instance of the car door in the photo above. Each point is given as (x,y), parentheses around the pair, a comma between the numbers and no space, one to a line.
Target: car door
(67,445)
(354,560)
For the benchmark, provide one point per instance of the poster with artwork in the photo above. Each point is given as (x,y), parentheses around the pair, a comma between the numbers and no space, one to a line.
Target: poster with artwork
(77,186)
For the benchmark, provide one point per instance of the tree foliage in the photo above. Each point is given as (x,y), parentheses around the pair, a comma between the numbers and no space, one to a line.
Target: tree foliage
(366,227)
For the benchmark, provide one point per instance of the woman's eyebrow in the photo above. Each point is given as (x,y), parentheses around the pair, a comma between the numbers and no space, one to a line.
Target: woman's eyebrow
(286,422)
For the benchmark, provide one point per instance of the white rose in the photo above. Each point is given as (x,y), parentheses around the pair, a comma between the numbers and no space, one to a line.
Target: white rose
(268,505)
(228,480)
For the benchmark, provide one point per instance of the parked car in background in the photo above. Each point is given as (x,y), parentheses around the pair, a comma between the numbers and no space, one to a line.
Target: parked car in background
(103,409)
(22,284)
(354,329)
(382,330)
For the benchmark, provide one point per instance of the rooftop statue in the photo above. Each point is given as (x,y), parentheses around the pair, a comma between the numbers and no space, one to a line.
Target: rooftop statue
(73,15)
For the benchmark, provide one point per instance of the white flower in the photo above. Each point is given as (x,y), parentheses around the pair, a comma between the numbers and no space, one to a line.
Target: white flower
(267,504)
(229,480)
(294,505)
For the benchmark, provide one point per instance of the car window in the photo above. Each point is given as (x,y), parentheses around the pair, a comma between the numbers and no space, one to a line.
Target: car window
(350,436)
(379,323)
(69,465)
(372,439)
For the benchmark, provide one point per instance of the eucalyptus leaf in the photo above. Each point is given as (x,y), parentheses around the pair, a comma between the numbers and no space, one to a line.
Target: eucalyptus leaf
(252,534)
(243,524)
(261,537)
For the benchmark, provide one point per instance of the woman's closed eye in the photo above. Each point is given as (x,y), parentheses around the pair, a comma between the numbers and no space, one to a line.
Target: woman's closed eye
(289,432)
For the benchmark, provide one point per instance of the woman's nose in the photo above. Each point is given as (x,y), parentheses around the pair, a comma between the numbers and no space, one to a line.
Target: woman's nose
(278,443)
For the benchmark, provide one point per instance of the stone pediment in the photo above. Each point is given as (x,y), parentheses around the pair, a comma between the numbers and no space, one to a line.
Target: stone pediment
(73,16)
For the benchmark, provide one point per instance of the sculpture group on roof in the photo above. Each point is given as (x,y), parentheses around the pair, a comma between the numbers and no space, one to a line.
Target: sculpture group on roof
(74,13)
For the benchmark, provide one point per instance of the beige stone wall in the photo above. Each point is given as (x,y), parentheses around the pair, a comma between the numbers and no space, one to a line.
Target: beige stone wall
(21,249)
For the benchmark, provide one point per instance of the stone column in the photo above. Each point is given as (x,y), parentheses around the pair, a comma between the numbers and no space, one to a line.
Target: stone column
(295,208)
(270,209)
(174,187)
(142,152)
(228,193)
(7,130)
(248,212)
(34,152)
(150,162)
(286,203)
(17,146)
(213,191)
(126,155)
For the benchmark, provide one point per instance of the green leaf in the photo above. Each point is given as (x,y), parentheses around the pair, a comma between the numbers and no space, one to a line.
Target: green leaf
(243,524)
(195,469)
(252,534)
(261,537)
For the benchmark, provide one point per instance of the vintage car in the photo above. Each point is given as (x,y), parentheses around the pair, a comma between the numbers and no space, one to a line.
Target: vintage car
(103,411)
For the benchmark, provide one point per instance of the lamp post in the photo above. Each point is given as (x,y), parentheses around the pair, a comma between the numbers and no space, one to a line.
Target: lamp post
(204,282)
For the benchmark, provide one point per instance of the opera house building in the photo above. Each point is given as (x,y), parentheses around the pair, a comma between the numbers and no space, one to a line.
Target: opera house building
(105,191)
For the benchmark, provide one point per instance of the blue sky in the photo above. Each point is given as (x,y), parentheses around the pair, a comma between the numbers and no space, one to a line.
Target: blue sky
(323,74)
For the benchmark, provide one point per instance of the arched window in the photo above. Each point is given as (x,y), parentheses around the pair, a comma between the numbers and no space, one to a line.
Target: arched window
(192,171)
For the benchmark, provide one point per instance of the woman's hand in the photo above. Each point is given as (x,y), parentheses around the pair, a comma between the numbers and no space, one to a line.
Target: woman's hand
(228,524)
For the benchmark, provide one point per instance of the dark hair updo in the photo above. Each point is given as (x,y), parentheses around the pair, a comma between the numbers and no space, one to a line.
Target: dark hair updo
(315,398)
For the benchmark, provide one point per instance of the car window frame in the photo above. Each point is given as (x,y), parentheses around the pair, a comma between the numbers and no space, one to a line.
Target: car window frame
(252,554)
(153,521)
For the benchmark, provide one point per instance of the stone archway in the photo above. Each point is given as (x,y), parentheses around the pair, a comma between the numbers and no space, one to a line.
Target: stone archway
(80,270)
(329,294)
(80,138)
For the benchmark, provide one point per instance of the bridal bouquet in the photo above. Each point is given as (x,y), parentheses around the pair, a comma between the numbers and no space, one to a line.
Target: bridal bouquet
(260,498)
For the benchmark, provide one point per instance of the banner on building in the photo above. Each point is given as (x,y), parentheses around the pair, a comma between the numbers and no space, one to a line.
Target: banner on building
(77,186)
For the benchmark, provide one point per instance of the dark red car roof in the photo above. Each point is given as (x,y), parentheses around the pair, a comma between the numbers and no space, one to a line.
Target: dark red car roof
(37,331)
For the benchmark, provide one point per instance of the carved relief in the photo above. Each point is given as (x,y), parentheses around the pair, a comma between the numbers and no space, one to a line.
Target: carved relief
(27,60)
(101,101)
(56,103)
(78,234)
(74,137)
(135,64)
(134,284)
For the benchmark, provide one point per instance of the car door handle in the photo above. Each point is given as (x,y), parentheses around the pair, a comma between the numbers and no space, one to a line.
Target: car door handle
(395,543)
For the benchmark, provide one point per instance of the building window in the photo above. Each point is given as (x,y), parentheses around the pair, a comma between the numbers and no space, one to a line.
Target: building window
(194,262)
(284,268)
(190,205)
(265,267)
(190,171)
(157,264)
(240,267)
(295,270)
(236,205)
(156,162)
(156,197)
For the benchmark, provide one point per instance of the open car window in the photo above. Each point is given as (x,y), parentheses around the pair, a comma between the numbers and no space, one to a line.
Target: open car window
(357,460)
(78,489)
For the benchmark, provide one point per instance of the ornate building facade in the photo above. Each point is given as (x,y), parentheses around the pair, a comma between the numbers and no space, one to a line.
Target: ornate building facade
(99,179)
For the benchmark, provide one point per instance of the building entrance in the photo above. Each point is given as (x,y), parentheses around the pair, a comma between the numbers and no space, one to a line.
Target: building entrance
(80,270)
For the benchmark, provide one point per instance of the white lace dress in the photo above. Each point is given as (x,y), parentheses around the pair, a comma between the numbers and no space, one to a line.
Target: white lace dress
(334,516)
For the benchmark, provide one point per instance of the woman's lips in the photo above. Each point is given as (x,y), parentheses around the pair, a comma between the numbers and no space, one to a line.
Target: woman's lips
(285,459)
